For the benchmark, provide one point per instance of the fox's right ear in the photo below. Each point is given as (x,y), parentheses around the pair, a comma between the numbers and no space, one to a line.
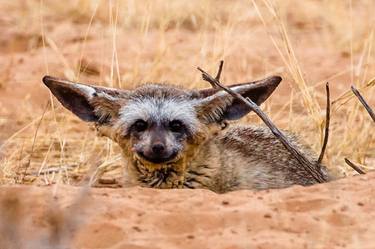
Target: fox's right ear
(217,105)
(89,103)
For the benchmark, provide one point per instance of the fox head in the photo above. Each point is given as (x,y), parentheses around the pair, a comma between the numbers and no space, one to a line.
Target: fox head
(157,124)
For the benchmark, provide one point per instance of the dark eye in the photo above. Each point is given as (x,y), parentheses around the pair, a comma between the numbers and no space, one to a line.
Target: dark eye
(176,126)
(140,125)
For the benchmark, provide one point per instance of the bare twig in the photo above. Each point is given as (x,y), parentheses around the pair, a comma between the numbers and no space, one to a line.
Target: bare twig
(309,166)
(364,103)
(355,167)
(326,132)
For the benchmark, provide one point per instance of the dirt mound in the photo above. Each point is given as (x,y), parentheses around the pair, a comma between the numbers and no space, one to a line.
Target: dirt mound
(338,214)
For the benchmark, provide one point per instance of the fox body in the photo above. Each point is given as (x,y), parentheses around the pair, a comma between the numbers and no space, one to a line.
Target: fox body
(177,138)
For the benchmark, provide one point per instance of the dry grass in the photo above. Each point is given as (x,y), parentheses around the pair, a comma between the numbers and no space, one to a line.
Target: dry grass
(125,43)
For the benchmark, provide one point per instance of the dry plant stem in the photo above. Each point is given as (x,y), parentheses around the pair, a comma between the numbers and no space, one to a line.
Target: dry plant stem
(364,103)
(326,132)
(355,167)
(34,139)
(309,166)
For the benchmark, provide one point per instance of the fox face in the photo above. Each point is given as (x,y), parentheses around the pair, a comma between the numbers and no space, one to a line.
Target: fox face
(159,128)
(157,122)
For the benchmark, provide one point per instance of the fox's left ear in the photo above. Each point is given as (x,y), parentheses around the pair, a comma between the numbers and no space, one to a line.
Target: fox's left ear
(90,103)
(217,105)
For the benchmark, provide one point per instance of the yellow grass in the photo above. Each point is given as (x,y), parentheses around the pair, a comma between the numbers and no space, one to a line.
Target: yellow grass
(126,43)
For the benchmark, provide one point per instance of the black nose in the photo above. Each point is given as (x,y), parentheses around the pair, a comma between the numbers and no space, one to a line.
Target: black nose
(158,148)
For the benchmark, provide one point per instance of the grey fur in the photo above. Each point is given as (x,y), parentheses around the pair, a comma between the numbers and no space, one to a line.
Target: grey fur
(159,110)
(209,155)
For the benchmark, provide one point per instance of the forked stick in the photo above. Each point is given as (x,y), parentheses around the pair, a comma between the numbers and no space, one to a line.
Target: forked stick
(218,74)
(355,167)
(326,132)
(309,166)
(364,103)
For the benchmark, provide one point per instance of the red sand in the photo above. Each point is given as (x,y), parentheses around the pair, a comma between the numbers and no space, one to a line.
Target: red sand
(339,214)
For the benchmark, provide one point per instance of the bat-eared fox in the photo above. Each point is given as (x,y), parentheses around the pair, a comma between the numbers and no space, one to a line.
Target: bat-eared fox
(172,137)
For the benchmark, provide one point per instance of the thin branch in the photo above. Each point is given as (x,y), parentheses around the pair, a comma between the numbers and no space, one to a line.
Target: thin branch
(364,103)
(355,167)
(310,167)
(326,132)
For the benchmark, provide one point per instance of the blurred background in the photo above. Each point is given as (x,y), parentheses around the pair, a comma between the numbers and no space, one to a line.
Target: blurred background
(127,43)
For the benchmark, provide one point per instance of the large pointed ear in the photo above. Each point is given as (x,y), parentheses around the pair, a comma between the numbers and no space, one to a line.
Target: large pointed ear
(89,103)
(217,105)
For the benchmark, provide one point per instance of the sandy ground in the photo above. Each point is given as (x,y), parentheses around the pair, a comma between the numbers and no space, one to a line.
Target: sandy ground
(335,215)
